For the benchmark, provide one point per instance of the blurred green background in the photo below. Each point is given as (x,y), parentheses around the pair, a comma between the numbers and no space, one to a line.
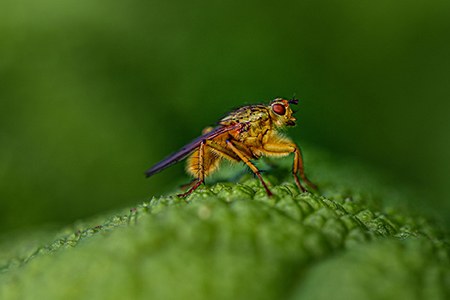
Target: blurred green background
(92,93)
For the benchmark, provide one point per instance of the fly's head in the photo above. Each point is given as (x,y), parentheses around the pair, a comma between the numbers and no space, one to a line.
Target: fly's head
(281,112)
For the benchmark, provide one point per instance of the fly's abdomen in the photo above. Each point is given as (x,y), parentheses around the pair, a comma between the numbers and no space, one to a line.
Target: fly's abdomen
(196,166)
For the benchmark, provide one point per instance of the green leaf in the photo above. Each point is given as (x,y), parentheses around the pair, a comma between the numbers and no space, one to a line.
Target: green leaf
(232,241)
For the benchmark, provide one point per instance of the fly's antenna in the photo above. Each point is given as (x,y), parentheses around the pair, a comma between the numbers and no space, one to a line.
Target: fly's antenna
(293,100)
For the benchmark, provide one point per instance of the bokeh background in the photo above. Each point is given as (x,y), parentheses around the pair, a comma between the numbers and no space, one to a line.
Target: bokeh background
(92,93)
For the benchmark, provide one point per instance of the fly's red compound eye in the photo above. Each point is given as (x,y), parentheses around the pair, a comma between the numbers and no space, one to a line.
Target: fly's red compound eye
(279,109)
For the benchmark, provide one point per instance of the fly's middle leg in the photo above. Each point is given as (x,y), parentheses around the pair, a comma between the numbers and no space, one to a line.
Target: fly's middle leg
(247,161)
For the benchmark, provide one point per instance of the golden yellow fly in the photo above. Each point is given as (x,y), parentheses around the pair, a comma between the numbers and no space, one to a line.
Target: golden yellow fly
(245,134)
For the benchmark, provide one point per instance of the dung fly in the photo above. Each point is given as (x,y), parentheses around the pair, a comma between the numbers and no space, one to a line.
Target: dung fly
(245,134)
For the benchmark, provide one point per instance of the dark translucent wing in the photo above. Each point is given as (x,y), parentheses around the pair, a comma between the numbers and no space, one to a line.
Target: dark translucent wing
(188,149)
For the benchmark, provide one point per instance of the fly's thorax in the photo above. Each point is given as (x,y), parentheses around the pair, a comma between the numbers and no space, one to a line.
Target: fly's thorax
(247,115)
(256,130)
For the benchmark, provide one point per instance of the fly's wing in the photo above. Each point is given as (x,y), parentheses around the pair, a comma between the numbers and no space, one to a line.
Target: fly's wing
(189,148)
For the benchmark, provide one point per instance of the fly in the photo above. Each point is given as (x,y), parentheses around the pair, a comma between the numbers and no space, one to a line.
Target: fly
(245,134)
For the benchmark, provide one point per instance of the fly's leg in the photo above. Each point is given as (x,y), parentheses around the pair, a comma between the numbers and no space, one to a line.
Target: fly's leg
(298,168)
(222,151)
(193,188)
(287,148)
(188,185)
(201,171)
(247,161)
(298,165)
(204,166)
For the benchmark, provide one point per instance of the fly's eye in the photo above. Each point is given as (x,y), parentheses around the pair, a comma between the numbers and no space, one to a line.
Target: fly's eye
(279,109)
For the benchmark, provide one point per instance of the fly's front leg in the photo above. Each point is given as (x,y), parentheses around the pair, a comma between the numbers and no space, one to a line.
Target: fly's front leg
(201,171)
(287,148)
(298,167)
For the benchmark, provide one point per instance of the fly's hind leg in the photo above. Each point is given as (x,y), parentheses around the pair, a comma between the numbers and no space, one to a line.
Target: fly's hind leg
(188,185)
(198,182)
(201,171)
